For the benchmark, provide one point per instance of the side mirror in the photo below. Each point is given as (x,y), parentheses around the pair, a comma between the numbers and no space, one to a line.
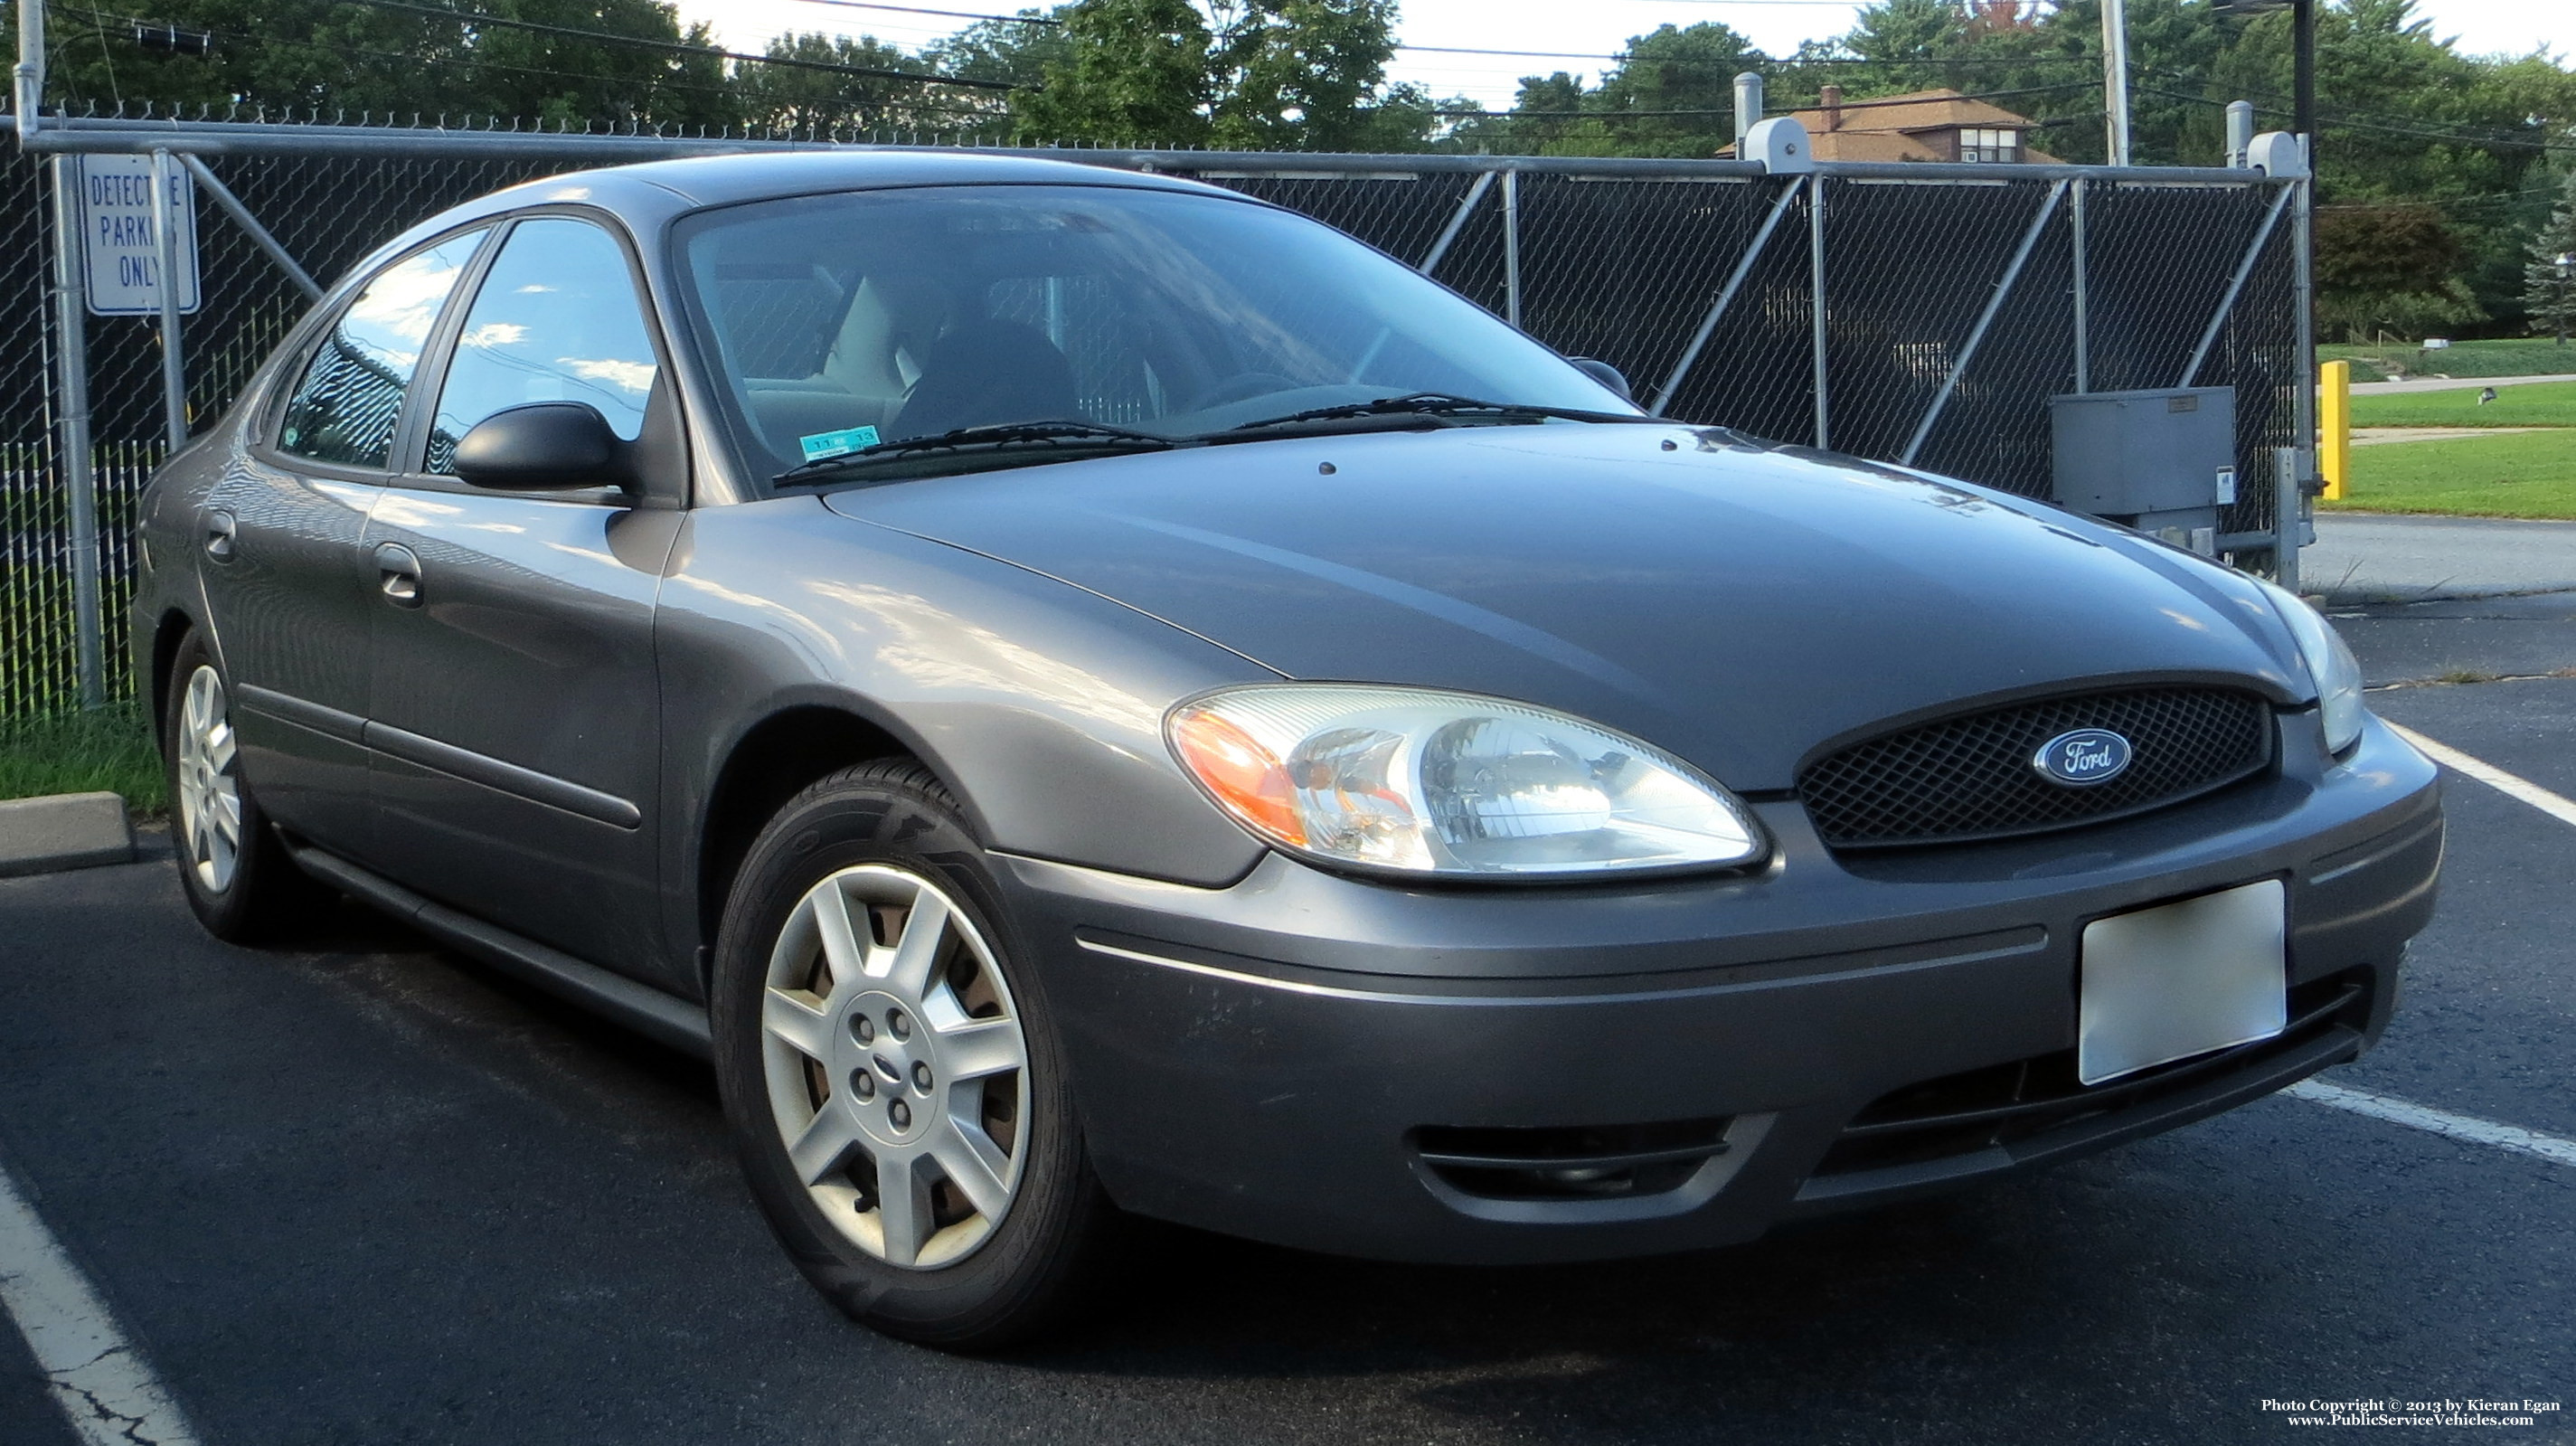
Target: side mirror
(544,446)
(1606,374)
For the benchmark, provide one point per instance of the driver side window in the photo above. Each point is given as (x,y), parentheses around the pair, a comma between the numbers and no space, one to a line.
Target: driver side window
(555,320)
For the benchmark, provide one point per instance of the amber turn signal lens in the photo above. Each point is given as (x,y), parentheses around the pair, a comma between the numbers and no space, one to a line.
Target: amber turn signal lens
(1247,778)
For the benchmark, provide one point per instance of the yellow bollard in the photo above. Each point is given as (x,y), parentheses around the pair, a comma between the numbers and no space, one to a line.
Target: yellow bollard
(2334,423)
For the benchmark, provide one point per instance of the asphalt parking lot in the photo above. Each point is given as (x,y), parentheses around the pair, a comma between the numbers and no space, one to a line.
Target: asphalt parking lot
(363,1191)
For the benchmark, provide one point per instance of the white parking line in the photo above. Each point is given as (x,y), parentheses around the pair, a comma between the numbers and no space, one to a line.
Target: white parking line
(104,1386)
(2439,1122)
(2490,775)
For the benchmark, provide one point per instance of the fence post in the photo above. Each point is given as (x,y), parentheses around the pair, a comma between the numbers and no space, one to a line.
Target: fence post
(2083,306)
(1512,247)
(1816,302)
(2288,470)
(1748,106)
(165,226)
(80,482)
(2289,528)
(28,77)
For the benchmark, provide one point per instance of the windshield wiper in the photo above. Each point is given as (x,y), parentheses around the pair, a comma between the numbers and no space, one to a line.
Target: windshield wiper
(1430,406)
(995,437)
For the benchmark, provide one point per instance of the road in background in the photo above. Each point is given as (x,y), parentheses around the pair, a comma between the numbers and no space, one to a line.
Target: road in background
(2377,557)
(2449,384)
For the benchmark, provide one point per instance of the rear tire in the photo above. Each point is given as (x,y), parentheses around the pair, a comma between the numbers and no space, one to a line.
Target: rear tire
(891,1073)
(240,882)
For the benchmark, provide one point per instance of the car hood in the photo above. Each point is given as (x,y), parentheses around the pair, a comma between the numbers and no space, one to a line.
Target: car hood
(1738,604)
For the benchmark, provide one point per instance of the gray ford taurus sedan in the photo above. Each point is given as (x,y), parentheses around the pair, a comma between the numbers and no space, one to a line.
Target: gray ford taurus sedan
(1082,692)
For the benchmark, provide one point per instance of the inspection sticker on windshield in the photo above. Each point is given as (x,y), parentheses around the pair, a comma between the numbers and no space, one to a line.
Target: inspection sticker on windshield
(837,444)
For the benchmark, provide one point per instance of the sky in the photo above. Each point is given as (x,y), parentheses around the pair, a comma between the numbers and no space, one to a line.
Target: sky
(1588,31)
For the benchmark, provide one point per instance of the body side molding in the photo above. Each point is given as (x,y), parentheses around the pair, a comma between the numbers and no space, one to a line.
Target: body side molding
(508,778)
(287,708)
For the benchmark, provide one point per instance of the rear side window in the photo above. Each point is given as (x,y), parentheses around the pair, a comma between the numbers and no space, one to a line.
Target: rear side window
(555,320)
(346,406)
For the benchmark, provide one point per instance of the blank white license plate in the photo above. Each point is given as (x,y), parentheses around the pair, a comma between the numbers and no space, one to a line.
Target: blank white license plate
(2166,983)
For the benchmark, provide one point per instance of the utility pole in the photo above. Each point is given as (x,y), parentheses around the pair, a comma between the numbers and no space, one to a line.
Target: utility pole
(2303,59)
(2303,51)
(2566,264)
(2115,77)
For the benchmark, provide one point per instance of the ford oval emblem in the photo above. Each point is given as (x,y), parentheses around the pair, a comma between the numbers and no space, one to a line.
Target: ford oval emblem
(2084,757)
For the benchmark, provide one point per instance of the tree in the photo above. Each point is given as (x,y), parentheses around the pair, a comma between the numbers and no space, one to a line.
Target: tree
(2391,267)
(1309,75)
(1130,72)
(2549,293)
(804,99)
(1247,74)
(1676,89)
(1017,50)
(364,59)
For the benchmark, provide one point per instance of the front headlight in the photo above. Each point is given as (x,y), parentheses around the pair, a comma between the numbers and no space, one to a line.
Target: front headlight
(2336,671)
(1415,781)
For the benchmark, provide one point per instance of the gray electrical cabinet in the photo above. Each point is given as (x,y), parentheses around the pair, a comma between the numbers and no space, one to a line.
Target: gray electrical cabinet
(2161,461)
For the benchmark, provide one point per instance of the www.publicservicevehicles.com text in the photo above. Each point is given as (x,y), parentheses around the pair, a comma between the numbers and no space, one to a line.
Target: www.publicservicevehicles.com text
(2389,1411)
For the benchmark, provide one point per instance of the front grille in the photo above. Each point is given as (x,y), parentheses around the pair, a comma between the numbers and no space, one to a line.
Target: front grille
(1971,777)
(1963,1114)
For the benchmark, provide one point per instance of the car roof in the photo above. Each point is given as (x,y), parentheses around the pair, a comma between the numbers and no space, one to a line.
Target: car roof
(760,175)
(650,193)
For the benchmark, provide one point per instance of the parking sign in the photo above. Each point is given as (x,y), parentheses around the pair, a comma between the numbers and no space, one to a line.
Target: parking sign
(120,256)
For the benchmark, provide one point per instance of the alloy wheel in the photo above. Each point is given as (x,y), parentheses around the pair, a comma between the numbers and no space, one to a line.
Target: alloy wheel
(209,783)
(896,1067)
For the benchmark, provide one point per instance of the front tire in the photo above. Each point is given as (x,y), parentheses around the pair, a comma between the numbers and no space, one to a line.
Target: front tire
(890,1073)
(240,882)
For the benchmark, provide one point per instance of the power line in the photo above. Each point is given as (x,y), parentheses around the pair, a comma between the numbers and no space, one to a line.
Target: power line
(950,14)
(2418,132)
(674,47)
(652,83)
(1716,111)
(2354,118)
(1757,61)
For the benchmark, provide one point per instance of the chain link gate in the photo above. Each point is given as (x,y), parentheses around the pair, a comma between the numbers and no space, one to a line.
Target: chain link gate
(1917,314)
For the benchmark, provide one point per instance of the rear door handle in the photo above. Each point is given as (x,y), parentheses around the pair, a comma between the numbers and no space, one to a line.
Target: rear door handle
(398,574)
(219,536)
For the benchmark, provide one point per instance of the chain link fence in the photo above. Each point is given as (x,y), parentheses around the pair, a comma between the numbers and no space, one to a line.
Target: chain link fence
(1925,316)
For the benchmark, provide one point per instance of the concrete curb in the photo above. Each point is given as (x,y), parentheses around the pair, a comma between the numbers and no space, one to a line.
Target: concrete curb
(64,831)
(2382,595)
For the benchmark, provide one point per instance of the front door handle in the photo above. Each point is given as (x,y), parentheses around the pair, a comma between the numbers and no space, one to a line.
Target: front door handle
(398,574)
(219,536)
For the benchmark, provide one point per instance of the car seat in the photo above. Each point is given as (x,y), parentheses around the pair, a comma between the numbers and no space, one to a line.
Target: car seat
(986,372)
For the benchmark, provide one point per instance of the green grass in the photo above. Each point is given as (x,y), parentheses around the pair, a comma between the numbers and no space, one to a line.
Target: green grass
(2548,404)
(2536,356)
(2528,474)
(107,749)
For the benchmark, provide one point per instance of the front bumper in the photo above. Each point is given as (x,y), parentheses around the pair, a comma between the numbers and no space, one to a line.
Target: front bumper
(1488,1076)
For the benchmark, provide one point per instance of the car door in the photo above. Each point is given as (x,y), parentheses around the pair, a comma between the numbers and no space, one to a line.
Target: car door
(286,582)
(512,704)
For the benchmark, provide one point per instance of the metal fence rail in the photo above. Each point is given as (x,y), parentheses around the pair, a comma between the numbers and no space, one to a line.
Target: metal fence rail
(1918,314)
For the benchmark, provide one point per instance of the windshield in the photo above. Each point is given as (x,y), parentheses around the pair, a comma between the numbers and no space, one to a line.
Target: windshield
(845,322)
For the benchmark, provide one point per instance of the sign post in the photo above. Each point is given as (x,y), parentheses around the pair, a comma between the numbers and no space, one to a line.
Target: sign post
(166,177)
